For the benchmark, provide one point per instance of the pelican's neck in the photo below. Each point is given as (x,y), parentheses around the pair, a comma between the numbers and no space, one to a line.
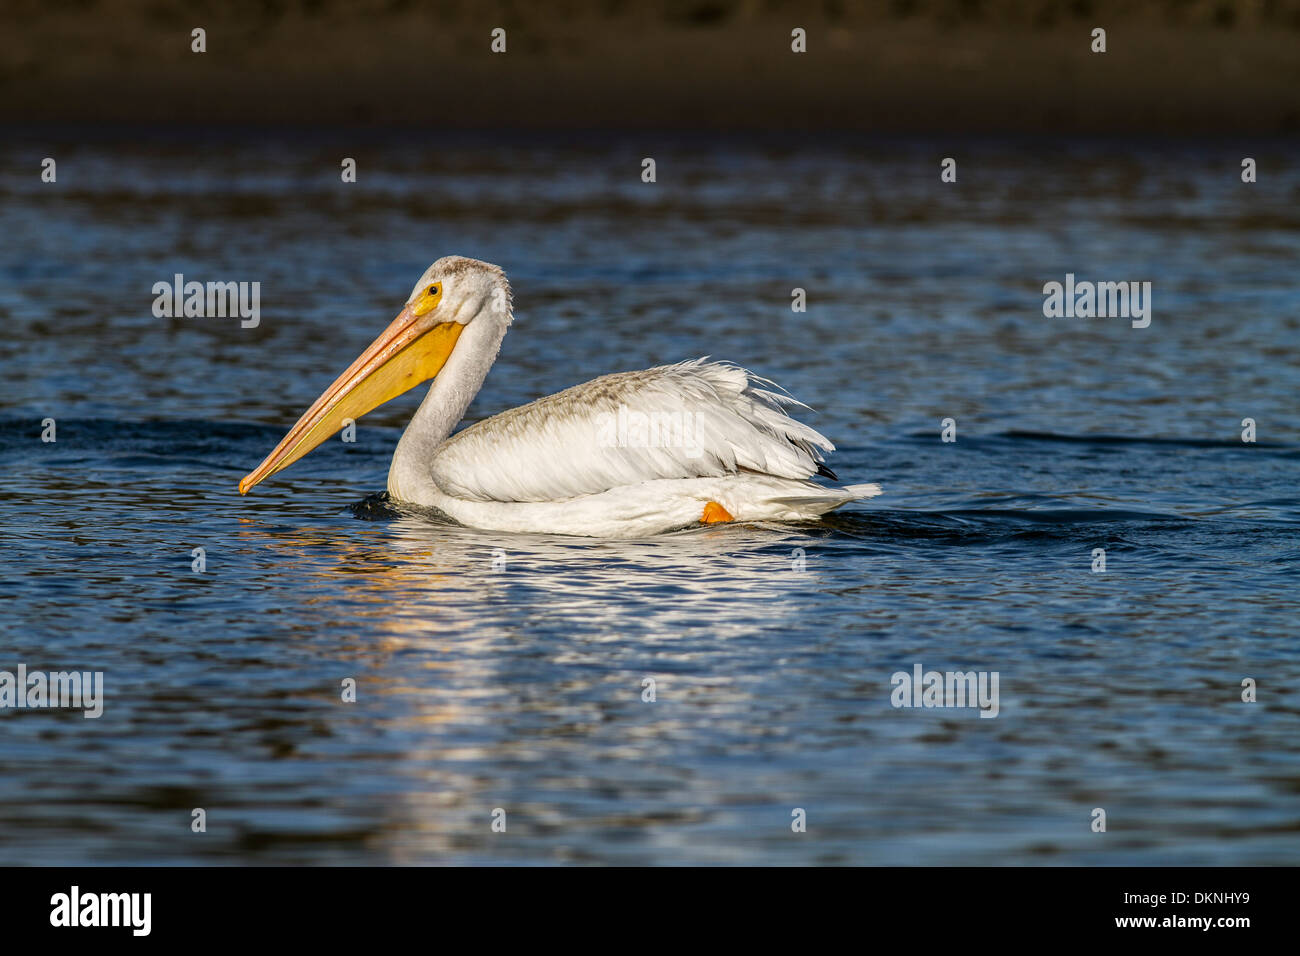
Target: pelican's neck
(445,404)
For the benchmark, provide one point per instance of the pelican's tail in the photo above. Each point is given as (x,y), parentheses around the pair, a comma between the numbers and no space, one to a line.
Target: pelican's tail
(821,500)
(869,490)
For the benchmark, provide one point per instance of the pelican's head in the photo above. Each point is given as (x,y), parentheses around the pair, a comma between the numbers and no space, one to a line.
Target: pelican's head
(452,293)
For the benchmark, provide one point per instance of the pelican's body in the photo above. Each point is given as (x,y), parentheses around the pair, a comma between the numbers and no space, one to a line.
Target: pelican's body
(624,455)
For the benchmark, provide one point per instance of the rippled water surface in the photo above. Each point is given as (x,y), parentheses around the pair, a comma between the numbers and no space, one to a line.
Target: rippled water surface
(482,686)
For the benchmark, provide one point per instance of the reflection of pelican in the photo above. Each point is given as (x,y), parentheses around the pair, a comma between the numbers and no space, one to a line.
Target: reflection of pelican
(629,454)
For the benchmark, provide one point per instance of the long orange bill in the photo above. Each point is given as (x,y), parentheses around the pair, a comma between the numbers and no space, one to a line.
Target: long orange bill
(409,352)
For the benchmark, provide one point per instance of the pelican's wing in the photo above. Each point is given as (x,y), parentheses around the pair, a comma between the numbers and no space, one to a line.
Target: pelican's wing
(692,420)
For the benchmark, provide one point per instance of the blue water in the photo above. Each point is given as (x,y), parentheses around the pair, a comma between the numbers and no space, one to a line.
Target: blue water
(499,671)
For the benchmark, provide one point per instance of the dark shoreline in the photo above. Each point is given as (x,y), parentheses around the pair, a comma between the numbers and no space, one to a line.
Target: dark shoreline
(941,68)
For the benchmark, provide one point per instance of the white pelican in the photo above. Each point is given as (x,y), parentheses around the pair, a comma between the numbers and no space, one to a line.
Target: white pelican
(625,455)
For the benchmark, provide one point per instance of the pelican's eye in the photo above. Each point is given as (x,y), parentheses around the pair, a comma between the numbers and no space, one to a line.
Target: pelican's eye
(427,300)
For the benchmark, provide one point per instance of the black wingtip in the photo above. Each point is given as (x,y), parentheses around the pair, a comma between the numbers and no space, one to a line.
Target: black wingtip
(826,472)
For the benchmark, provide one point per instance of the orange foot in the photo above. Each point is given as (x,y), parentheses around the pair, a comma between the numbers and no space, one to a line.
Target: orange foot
(714,512)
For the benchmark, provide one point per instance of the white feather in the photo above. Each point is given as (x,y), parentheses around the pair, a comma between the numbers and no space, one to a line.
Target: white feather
(569,444)
(551,467)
